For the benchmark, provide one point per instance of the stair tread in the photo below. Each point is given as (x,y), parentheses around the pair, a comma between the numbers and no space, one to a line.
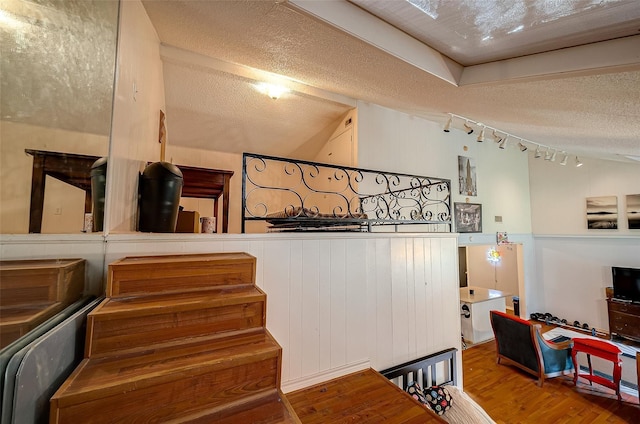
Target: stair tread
(117,307)
(25,313)
(118,374)
(271,408)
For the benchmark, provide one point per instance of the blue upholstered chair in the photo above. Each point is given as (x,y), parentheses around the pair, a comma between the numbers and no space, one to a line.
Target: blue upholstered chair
(520,343)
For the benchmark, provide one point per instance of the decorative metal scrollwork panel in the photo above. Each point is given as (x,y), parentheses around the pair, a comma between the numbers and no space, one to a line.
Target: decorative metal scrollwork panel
(299,195)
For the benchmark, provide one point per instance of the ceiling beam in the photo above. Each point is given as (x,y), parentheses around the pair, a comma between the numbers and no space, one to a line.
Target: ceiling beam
(374,31)
(612,55)
(178,55)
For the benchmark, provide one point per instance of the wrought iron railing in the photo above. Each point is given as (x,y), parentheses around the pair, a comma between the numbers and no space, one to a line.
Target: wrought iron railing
(300,195)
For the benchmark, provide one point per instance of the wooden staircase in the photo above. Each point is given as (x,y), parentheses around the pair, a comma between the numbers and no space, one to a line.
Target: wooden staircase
(32,291)
(179,339)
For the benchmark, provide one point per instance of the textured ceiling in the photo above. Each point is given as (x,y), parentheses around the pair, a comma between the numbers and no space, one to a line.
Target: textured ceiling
(592,114)
(57,62)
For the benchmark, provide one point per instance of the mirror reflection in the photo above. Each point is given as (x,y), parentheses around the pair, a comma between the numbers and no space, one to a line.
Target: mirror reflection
(57,72)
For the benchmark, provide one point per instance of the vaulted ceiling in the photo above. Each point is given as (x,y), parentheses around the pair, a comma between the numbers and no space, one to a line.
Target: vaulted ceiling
(565,77)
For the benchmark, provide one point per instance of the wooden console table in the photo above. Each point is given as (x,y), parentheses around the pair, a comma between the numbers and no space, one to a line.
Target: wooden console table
(204,183)
(66,167)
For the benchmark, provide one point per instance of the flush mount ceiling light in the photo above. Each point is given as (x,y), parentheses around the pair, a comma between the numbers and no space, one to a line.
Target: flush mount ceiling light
(272,90)
(468,128)
(447,126)
(481,135)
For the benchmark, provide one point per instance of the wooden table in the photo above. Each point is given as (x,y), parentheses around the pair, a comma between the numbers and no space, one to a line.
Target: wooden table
(66,167)
(204,183)
(600,349)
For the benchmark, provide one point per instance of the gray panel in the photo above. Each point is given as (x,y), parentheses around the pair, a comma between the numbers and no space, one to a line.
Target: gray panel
(46,364)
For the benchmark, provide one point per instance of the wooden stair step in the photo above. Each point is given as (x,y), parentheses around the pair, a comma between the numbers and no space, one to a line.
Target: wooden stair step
(124,324)
(40,281)
(271,407)
(168,383)
(17,320)
(136,275)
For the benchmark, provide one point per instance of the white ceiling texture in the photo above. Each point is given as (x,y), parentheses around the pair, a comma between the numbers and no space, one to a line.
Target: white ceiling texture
(560,73)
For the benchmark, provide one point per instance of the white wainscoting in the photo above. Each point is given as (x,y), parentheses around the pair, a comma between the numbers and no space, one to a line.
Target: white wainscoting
(339,302)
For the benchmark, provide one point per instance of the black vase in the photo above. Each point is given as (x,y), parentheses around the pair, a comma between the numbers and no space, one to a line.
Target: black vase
(159,197)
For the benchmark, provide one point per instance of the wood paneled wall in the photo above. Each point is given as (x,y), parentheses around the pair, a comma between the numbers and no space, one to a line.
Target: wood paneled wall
(340,302)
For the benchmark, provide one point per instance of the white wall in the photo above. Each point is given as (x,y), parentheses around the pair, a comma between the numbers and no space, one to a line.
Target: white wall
(339,302)
(139,97)
(558,194)
(389,140)
(573,263)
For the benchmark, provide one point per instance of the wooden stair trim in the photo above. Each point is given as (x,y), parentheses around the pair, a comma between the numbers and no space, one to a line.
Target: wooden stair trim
(118,308)
(158,370)
(141,275)
(232,412)
(212,338)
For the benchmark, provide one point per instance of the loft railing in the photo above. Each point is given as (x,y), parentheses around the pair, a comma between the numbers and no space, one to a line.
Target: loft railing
(300,195)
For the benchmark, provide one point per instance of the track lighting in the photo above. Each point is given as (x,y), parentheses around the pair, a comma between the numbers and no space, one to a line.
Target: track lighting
(501,138)
(447,126)
(564,159)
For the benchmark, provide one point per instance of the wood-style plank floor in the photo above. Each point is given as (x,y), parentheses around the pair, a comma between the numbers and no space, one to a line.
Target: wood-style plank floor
(511,396)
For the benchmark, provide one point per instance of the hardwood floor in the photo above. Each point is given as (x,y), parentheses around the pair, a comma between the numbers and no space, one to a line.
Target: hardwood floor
(511,396)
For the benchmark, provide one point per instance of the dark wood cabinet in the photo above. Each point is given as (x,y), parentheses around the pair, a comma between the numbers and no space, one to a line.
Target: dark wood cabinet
(624,319)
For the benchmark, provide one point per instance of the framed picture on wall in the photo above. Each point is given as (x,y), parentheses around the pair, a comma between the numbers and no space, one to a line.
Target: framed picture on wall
(467,176)
(602,213)
(468,217)
(633,211)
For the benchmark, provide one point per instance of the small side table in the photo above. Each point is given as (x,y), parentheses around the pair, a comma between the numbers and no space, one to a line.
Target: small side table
(600,349)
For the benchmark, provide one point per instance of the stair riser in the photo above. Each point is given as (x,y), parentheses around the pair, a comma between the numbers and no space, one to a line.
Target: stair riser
(59,283)
(112,335)
(175,399)
(169,277)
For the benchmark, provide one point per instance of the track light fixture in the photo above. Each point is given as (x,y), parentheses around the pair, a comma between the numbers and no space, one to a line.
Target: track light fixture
(501,138)
(564,159)
(447,126)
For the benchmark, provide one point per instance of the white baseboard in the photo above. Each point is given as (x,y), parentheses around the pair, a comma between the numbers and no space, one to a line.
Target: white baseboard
(301,383)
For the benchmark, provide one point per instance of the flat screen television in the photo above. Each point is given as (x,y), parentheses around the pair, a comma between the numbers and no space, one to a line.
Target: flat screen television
(626,283)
